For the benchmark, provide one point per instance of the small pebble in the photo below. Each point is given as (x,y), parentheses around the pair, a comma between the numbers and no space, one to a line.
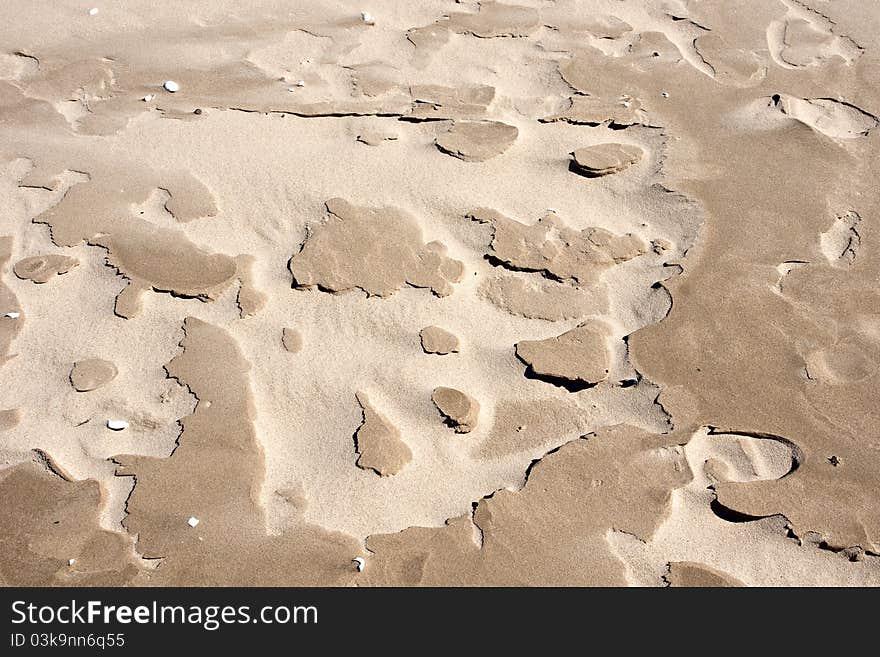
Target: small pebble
(665,94)
(93,11)
(192,522)
(148,98)
(13,315)
(117,425)
(70,562)
(359,563)
(367,18)
(171,86)
(198,110)
(300,83)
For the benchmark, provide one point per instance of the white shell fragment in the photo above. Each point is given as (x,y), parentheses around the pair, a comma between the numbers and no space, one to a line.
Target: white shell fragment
(13,315)
(367,18)
(171,86)
(665,94)
(93,11)
(117,425)
(359,563)
(148,98)
(300,83)
(192,522)
(70,562)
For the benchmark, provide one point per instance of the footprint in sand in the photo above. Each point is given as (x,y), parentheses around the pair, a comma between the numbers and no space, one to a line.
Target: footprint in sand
(849,360)
(802,41)
(717,550)
(834,118)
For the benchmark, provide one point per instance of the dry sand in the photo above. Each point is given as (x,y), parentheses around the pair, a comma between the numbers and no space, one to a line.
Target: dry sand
(557,293)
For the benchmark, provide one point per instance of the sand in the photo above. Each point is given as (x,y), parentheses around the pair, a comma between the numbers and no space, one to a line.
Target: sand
(528,293)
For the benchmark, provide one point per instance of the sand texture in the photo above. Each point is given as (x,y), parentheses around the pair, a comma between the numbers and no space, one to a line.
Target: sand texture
(534,292)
